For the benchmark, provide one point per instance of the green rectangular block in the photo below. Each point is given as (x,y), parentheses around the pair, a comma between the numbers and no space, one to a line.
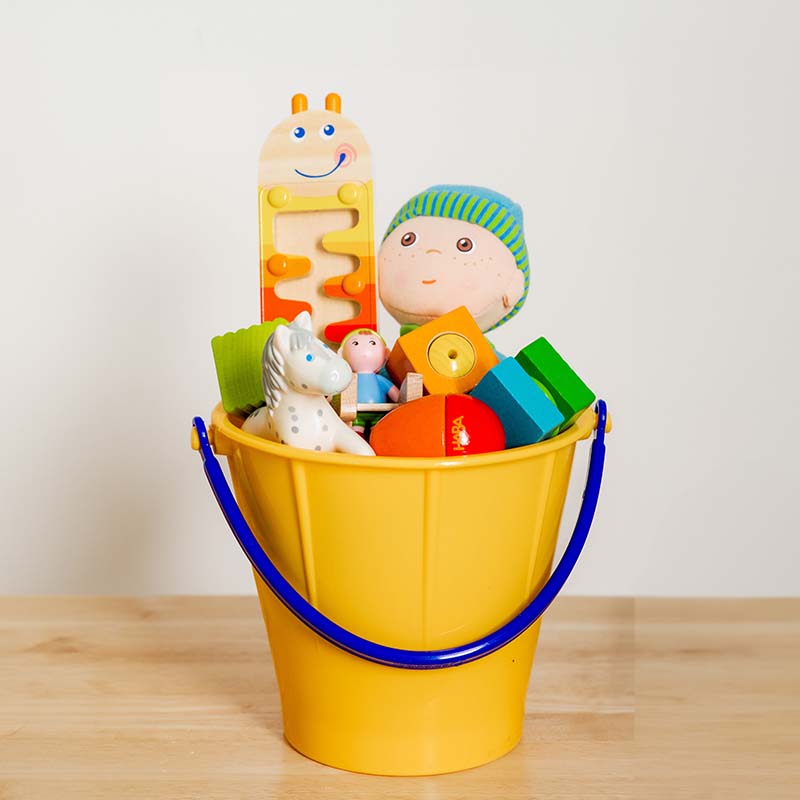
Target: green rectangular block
(543,363)
(237,357)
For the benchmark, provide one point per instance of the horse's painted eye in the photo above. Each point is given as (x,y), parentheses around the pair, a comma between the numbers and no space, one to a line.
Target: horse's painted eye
(326,131)
(408,239)
(309,357)
(464,244)
(298,133)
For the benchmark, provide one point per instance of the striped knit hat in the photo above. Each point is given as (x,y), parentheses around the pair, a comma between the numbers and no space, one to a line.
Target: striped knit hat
(491,210)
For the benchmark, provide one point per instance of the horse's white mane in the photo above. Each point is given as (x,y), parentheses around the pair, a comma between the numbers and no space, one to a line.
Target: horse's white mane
(273,363)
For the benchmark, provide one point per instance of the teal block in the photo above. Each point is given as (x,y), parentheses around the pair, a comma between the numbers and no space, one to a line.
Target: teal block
(527,413)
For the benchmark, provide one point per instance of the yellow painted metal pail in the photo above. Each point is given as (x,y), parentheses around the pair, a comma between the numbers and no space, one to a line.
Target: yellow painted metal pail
(416,554)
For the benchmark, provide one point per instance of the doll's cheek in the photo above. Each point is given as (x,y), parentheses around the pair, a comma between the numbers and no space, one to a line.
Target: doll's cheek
(399,279)
(389,268)
(414,295)
(468,282)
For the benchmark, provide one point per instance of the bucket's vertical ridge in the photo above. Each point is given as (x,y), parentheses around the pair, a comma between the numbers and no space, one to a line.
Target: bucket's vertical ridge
(429,525)
(557,493)
(537,525)
(304,525)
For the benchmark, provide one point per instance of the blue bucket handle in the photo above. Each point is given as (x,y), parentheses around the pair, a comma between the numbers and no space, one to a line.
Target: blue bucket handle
(394,656)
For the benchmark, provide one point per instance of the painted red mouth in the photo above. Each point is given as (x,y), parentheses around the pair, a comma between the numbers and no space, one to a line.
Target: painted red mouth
(348,151)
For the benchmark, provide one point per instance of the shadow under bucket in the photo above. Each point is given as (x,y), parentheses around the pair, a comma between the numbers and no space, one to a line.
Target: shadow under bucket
(402,596)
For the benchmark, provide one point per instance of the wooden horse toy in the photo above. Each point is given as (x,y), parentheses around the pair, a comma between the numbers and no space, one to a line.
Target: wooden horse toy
(298,372)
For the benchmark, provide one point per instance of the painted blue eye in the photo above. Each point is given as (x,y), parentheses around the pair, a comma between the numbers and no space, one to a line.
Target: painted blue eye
(326,131)
(298,133)
(309,357)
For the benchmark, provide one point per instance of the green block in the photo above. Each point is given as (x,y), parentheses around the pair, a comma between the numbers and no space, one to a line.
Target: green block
(237,357)
(543,363)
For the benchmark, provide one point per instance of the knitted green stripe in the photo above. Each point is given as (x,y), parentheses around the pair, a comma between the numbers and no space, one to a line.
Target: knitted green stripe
(503,219)
(448,206)
(462,199)
(491,209)
(502,231)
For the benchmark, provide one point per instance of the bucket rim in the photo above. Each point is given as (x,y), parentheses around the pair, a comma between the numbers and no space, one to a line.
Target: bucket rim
(224,427)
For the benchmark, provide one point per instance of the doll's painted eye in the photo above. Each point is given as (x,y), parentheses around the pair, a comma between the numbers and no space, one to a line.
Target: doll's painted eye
(309,357)
(298,133)
(326,131)
(408,239)
(464,244)
(373,342)
(355,342)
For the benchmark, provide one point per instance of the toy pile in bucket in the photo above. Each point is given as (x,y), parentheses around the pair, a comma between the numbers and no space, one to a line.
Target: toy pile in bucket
(452,265)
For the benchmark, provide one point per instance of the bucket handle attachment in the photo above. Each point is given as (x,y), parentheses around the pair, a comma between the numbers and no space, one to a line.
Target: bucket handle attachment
(393,656)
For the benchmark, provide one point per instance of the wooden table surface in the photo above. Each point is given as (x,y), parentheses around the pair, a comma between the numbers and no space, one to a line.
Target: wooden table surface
(176,698)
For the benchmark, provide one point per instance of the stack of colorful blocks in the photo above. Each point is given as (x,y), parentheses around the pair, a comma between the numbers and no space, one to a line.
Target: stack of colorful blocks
(534,396)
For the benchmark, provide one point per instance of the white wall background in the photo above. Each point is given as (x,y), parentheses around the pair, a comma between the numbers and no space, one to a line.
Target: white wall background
(653,147)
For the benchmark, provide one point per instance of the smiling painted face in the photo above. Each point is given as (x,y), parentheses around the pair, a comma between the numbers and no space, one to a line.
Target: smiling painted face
(428,266)
(364,350)
(311,147)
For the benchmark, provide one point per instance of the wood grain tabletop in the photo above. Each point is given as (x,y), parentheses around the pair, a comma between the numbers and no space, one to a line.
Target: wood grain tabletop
(176,698)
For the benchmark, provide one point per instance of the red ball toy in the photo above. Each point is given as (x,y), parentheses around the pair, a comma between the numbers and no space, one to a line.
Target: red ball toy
(439,425)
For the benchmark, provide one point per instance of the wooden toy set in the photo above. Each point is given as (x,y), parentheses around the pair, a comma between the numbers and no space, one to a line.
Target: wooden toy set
(315,221)
(368,477)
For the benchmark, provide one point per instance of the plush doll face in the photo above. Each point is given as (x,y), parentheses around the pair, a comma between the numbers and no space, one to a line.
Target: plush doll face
(314,147)
(428,266)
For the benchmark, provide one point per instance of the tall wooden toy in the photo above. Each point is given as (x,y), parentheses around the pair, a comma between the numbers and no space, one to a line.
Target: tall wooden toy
(315,221)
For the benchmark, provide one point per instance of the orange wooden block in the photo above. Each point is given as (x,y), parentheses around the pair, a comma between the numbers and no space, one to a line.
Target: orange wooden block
(451,353)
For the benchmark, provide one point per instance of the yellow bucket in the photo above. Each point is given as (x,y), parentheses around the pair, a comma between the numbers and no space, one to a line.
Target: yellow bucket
(407,556)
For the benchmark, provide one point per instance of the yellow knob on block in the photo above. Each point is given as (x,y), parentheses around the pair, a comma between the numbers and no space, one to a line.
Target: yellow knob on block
(278,196)
(452,355)
(348,193)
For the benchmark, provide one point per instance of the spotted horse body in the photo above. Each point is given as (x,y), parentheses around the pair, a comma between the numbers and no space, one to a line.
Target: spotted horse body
(298,372)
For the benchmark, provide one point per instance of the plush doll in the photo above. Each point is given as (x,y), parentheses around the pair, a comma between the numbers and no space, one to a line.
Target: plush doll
(452,246)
